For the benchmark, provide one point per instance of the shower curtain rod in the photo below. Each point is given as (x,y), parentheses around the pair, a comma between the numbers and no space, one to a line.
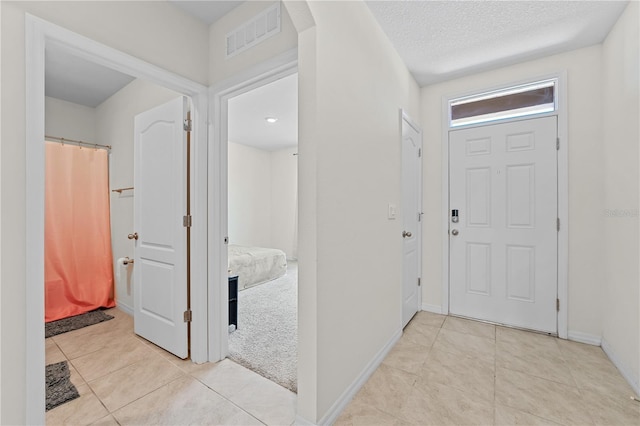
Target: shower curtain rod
(73,141)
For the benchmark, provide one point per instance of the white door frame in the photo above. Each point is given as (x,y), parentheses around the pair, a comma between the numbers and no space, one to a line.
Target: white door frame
(38,34)
(563,190)
(218,300)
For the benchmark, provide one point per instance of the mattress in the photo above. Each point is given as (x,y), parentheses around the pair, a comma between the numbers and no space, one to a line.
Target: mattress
(256,265)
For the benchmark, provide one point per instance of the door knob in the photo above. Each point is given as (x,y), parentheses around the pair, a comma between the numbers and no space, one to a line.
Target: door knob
(406,234)
(133,236)
(454,232)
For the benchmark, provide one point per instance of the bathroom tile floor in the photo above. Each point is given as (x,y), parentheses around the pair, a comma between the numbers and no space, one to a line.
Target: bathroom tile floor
(124,379)
(443,371)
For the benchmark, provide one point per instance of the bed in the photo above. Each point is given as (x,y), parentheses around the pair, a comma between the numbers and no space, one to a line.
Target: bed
(256,265)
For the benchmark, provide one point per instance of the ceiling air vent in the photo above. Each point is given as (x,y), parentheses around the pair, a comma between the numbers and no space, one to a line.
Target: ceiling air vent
(256,30)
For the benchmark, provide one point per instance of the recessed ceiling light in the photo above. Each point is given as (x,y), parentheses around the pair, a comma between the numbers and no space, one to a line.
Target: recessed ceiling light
(270,120)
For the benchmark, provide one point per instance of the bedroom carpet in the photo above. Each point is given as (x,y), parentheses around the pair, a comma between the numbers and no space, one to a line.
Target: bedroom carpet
(267,334)
(65,325)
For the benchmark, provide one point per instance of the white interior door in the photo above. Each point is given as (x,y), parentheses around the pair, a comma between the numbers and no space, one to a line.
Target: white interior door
(411,216)
(503,249)
(160,268)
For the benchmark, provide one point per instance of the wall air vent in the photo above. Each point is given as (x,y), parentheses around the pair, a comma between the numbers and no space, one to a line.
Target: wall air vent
(256,30)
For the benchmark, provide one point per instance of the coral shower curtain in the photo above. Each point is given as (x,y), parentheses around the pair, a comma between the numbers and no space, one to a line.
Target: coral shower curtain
(78,259)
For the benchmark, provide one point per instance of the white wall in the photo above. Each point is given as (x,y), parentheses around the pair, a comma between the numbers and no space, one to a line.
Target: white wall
(154,31)
(68,120)
(352,85)
(262,198)
(114,126)
(621,99)
(284,201)
(586,270)
(249,196)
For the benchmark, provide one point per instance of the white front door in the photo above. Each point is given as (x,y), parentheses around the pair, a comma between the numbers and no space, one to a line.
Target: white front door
(411,217)
(503,247)
(160,185)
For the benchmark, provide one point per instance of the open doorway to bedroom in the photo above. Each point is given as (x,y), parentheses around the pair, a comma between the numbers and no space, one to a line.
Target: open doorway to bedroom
(262,229)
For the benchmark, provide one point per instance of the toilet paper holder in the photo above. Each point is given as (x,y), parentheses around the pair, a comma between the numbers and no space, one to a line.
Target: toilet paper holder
(127,261)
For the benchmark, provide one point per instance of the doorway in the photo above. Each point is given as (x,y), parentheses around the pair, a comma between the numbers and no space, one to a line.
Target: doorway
(40,36)
(503,216)
(253,220)
(267,72)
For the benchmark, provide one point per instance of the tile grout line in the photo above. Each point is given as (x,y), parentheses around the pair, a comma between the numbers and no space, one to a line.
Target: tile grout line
(229,400)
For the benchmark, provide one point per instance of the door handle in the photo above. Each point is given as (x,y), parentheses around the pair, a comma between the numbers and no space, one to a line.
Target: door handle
(454,232)
(406,234)
(133,236)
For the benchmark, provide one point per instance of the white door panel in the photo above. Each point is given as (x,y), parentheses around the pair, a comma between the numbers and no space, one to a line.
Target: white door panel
(160,268)
(411,211)
(503,260)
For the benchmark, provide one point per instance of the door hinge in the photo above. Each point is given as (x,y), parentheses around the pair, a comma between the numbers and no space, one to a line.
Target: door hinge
(187,125)
(226,240)
(558,224)
(558,144)
(188,316)
(419,282)
(557,305)
(420,216)
(419,152)
(187,221)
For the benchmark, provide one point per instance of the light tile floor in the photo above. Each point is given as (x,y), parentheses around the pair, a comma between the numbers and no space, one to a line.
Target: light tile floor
(123,379)
(443,371)
(451,371)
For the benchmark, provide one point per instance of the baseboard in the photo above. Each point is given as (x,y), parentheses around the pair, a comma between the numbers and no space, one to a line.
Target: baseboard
(580,337)
(341,403)
(301,421)
(436,309)
(124,308)
(622,368)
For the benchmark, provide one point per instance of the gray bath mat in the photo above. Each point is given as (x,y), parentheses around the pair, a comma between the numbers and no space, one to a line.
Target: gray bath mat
(64,325)
(58,385)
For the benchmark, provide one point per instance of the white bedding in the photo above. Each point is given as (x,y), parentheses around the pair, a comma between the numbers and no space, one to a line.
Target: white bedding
(256,265)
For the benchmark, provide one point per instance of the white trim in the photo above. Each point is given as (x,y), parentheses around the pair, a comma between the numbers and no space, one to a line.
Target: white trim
(580,337)
(445,203)
(432,308)
(124,308)
(563,205)
(563,189)
(301,421)
(259,75)
(341,403)
(626,372)
(38,34)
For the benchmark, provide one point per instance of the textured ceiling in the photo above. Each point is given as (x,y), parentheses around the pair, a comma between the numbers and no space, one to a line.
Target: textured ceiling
(441,40)
(248,111)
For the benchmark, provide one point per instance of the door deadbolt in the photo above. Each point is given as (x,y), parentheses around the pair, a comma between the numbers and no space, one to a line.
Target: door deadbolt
(133,236)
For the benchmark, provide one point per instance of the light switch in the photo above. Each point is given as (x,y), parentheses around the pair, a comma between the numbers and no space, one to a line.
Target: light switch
(392,211)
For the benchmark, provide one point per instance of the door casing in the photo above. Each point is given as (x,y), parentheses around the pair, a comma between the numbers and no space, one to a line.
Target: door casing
(39,34)
(563,188)
(218,291)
